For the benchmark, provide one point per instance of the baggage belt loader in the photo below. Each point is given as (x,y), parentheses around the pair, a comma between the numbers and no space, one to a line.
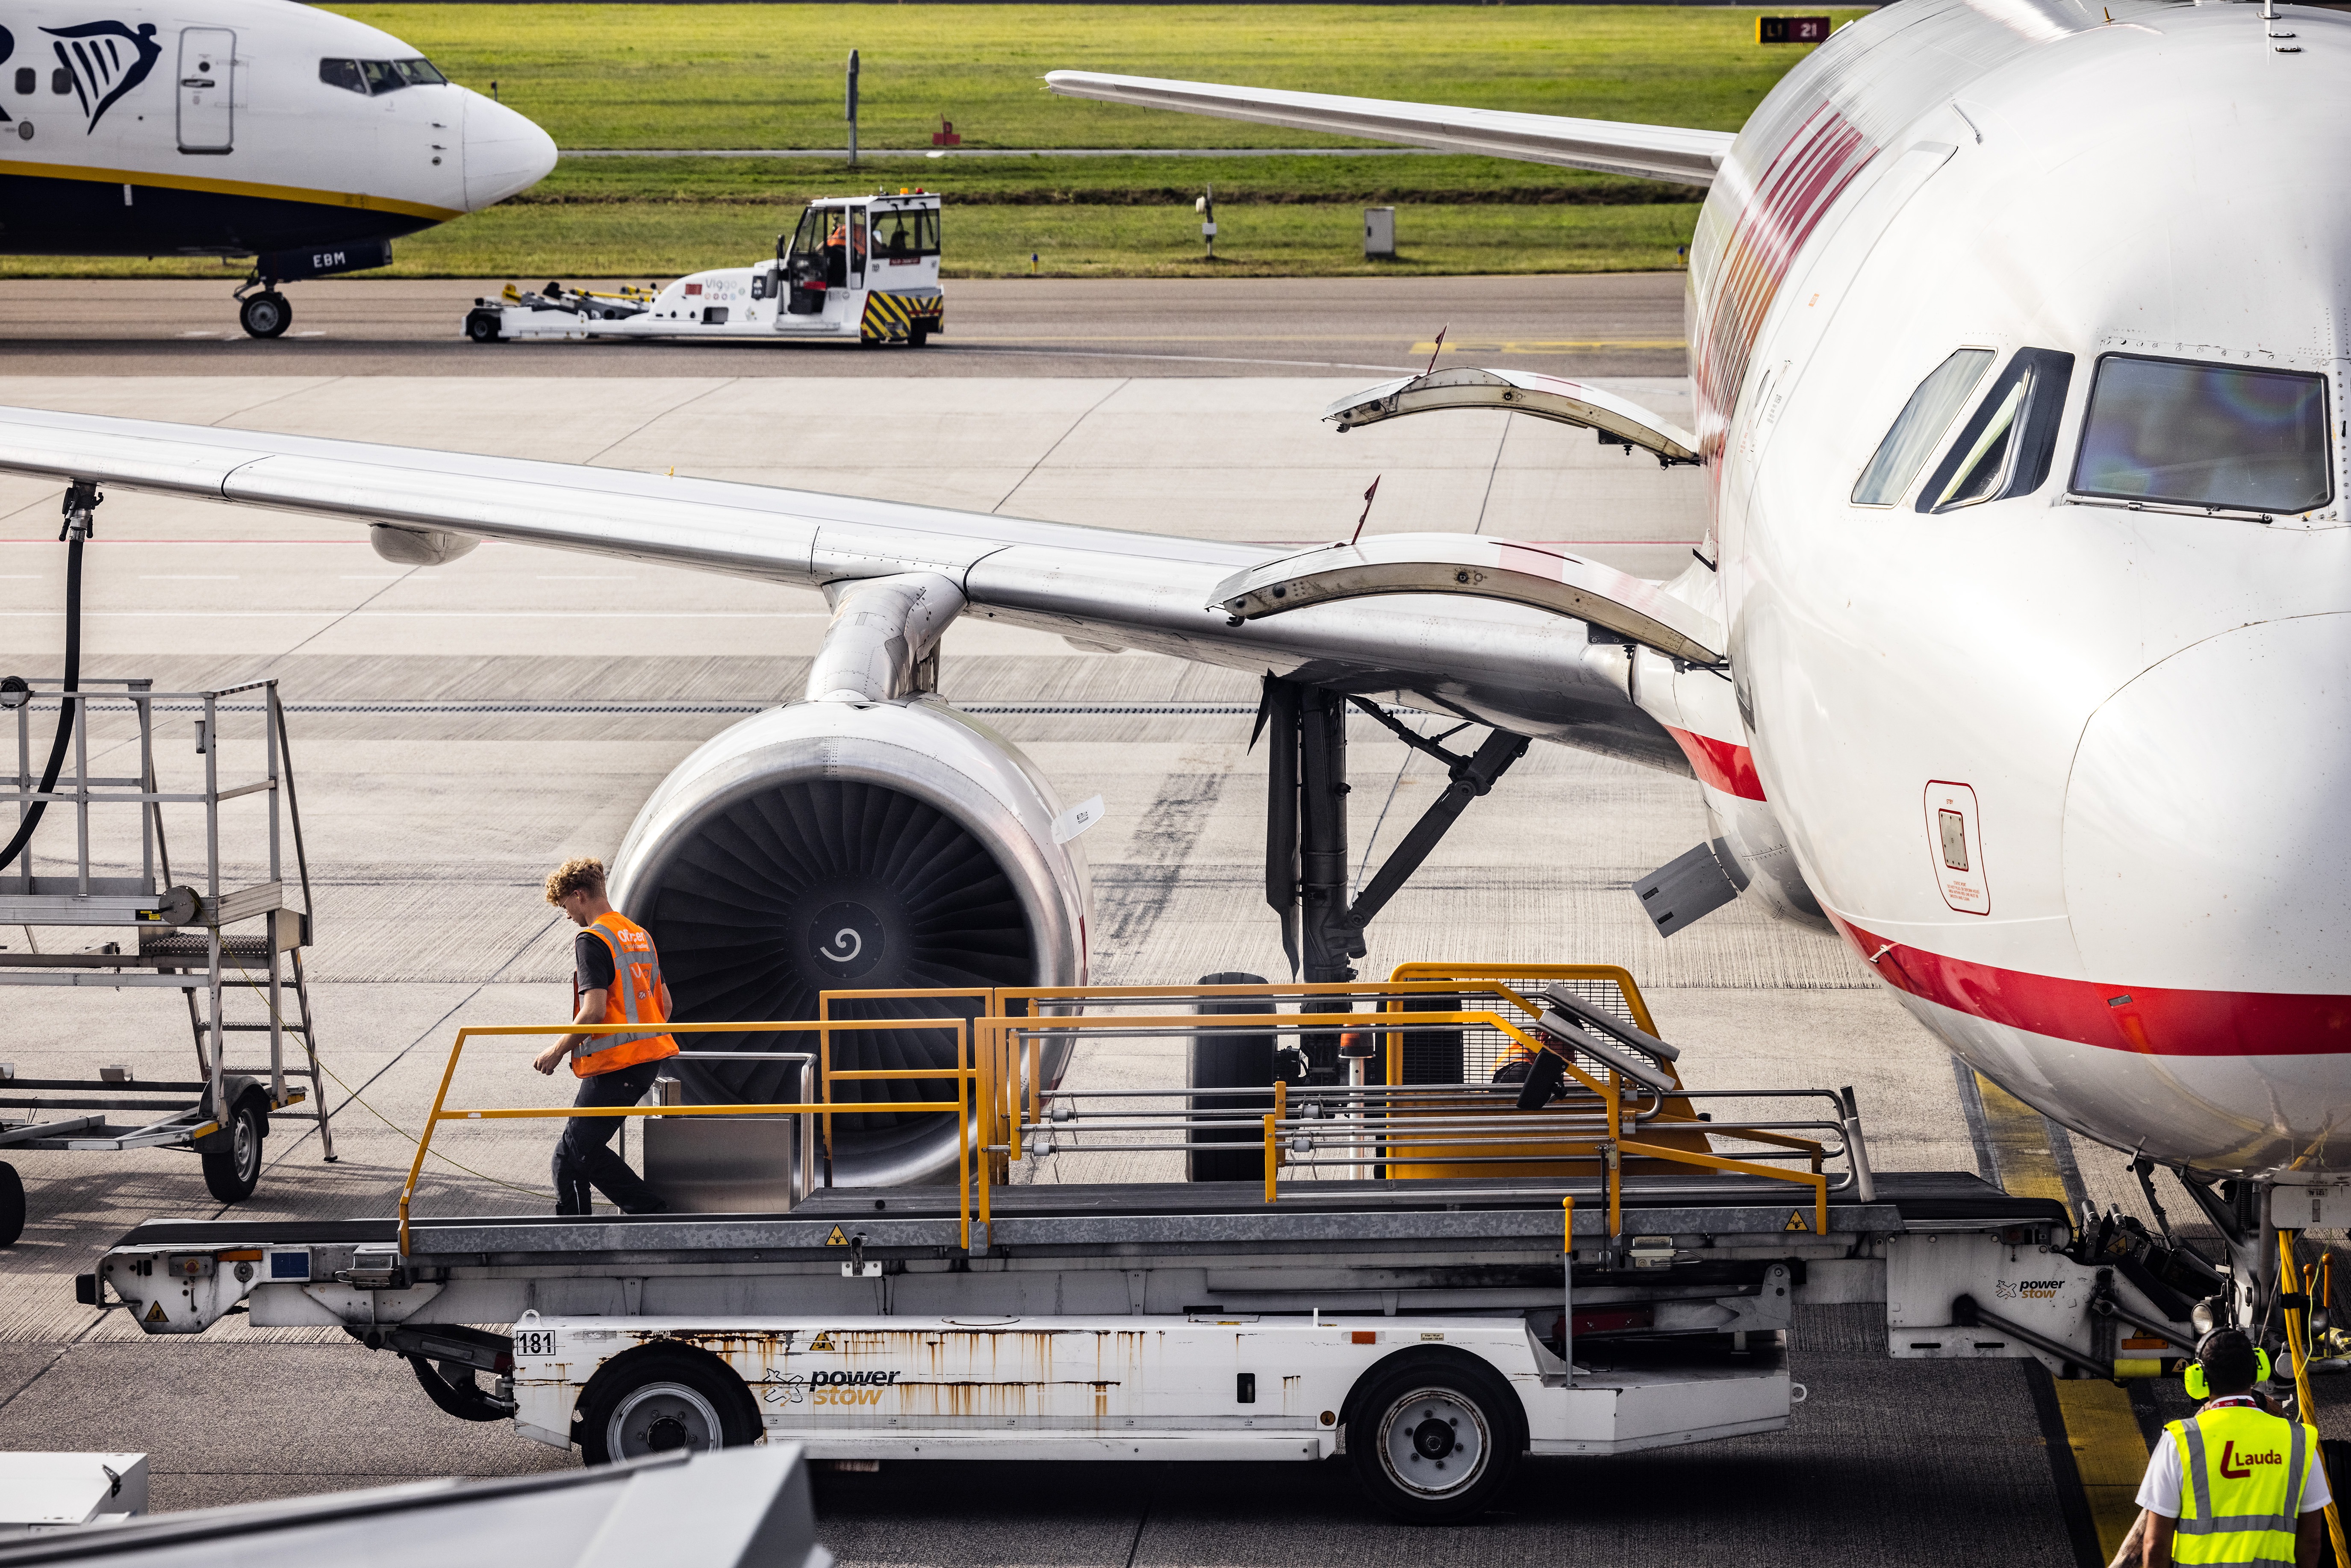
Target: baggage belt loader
(1428,1279)
(859,269)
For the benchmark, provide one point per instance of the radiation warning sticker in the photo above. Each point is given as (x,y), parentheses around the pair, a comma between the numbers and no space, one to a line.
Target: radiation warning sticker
(155,1314)
(1796,1221)
(836,1238)
(823,1340)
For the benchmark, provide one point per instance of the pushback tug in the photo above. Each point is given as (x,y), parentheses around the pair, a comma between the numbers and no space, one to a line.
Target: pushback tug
(863,270)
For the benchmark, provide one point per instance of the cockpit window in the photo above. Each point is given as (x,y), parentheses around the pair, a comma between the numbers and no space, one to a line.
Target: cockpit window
(1919,426)
(2004,448)
(379,76)
(2177,432)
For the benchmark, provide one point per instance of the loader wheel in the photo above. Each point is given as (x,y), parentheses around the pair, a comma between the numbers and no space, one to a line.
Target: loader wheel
(1434,1441)
(266,314)
(663,1398)
(918,337)
(482,327)
(232,1175)
(12,1205)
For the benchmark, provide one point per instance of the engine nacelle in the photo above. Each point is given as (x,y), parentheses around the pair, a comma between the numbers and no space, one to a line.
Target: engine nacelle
(404,546)
(836,845)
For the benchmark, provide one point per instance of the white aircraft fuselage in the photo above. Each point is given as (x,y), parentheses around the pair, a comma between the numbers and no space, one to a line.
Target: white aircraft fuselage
(2066,765)
(233,126)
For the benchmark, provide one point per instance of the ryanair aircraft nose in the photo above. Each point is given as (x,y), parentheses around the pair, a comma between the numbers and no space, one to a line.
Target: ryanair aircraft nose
(505,153)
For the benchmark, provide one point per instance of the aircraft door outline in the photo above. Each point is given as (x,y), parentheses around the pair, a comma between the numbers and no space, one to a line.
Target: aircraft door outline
(207,90)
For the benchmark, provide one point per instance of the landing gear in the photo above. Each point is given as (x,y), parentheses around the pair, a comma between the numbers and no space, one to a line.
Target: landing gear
(1306,859)
(265,315)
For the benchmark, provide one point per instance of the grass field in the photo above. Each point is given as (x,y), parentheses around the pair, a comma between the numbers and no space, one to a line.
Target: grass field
(706,77)
(771,76)
(649,241)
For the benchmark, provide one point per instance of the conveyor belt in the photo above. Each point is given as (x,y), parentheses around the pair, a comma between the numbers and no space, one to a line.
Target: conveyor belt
(1514,1214)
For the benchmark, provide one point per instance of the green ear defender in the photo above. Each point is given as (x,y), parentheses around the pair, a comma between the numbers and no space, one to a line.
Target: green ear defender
(2197,1388)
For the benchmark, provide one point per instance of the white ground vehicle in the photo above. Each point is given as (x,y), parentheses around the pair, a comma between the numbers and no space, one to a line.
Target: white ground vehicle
(860,268)
(1391,1282)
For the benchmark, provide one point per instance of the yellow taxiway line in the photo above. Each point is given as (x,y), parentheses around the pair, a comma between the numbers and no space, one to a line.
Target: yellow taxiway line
(2109,1454)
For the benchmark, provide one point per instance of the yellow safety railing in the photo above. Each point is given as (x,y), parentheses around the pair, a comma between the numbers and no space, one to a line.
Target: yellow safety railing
(1010,1055)
(968,1075)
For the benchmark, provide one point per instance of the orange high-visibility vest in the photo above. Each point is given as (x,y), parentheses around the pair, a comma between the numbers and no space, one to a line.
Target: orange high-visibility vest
(634,998)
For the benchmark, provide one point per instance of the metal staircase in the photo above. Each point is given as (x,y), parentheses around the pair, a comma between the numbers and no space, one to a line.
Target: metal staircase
(227,948)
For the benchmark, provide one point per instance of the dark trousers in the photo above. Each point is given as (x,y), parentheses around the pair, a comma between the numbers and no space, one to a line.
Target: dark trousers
(584,1155)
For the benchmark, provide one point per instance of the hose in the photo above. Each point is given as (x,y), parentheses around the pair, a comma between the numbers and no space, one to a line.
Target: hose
(75,532)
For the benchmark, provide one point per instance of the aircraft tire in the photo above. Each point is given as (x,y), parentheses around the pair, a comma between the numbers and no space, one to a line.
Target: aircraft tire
(265,315)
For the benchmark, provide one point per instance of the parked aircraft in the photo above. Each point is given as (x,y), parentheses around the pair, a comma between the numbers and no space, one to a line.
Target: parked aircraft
(2014,656)
(303,139)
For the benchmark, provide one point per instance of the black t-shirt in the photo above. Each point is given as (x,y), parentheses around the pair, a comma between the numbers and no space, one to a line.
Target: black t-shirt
(591,960)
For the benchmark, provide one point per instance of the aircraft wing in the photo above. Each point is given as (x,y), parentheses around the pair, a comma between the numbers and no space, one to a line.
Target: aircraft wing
(1608,146)
(1499,633)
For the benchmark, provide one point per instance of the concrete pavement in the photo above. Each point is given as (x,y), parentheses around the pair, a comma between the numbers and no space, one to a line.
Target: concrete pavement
(1606,324)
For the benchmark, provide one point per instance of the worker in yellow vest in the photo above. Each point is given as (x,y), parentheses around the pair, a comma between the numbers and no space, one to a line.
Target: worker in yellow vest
(617,978)
(2233,1483)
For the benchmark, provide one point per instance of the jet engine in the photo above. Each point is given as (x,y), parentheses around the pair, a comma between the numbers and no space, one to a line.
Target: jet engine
(869,838)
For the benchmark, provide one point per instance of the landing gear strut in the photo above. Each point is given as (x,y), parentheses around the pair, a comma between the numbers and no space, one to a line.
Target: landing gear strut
(1306,835)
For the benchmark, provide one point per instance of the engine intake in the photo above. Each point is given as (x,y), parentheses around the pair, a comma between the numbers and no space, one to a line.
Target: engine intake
(865,845)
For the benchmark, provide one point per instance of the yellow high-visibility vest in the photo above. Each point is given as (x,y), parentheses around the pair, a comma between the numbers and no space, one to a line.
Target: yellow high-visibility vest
(2240,1479)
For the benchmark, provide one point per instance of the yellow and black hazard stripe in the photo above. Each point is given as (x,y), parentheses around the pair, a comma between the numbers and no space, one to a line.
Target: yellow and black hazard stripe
(895,317)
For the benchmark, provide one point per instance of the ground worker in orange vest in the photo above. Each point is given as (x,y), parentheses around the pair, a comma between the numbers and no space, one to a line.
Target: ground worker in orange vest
(2236,1482)
(617,978)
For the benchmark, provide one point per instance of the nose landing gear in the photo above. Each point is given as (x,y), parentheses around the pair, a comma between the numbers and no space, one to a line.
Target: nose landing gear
(265,314)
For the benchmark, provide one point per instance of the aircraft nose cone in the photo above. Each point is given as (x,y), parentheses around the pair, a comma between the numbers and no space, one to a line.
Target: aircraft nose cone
(505,152)
(2205,841)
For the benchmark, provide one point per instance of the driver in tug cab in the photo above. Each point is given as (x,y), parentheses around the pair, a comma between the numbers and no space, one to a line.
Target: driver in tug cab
(845,242)
(617,979)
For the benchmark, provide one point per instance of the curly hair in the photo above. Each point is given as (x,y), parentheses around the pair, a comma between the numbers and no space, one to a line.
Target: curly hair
(577,874)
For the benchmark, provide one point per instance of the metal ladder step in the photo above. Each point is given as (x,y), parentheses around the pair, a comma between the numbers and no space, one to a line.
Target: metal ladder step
(199,950)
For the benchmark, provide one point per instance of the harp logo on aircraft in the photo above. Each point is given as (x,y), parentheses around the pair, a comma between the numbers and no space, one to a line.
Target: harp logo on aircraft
(102,60)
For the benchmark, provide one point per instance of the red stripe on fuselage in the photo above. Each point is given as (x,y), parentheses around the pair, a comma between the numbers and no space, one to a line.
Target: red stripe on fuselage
(1726,765)
(2147,1020)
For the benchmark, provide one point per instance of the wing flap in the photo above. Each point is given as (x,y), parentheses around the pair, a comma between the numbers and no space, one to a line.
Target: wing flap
(1482,568)
(1619,420)
(1606,146)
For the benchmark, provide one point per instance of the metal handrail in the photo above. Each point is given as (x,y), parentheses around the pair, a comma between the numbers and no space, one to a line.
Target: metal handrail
(1618,1118)
(966,1075)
